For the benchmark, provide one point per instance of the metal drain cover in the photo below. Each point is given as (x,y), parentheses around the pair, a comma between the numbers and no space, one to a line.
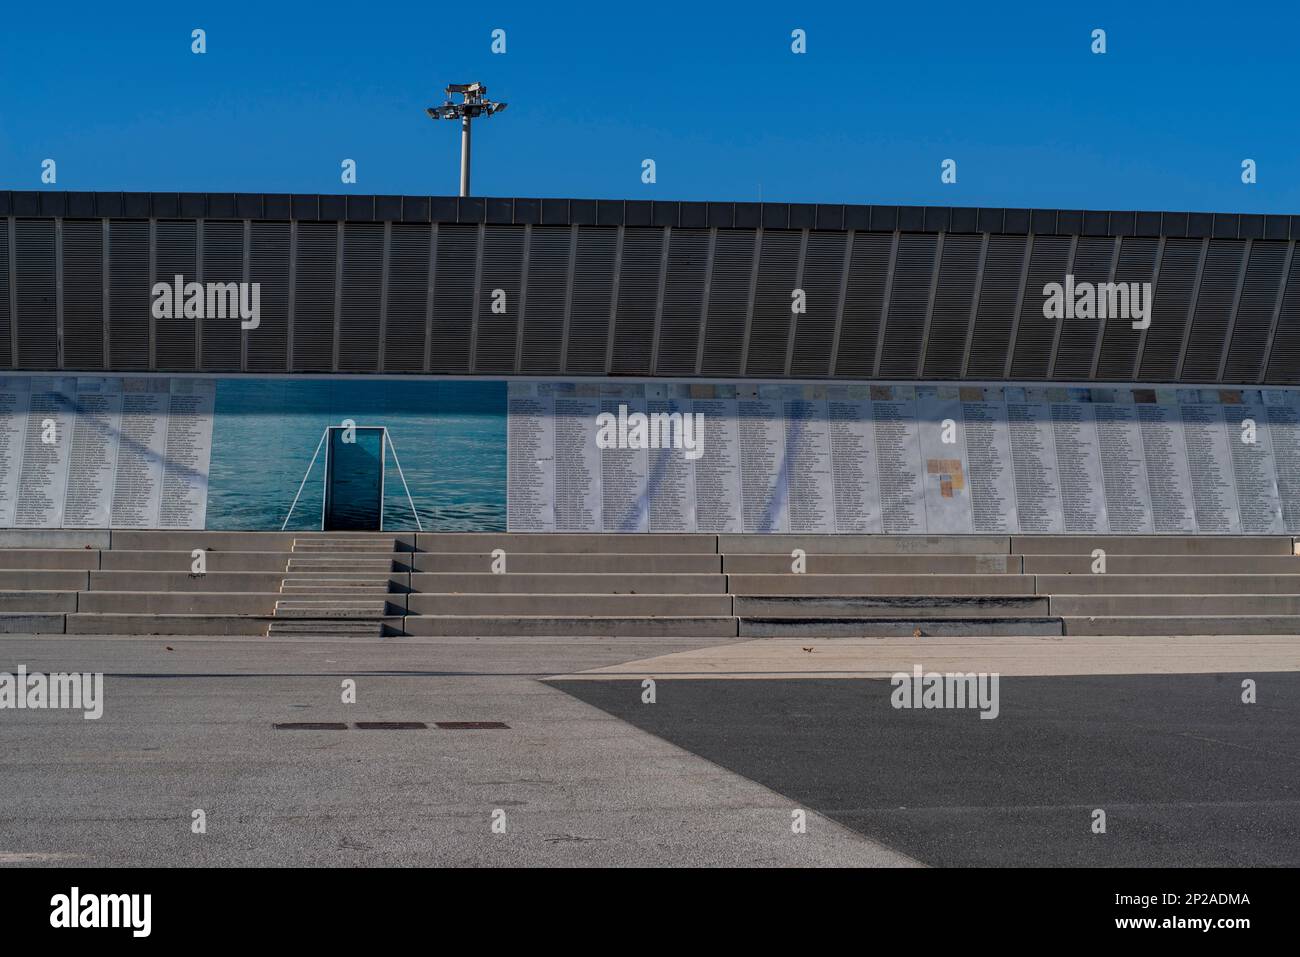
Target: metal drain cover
(390,726)
(471,725)
(311,726)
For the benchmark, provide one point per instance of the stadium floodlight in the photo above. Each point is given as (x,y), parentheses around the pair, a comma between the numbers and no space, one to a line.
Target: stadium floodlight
(474,103)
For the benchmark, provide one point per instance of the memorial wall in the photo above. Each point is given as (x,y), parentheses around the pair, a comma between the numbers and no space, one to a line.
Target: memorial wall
(659,456)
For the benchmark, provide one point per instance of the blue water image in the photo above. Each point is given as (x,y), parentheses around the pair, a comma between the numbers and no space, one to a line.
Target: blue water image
(450,439)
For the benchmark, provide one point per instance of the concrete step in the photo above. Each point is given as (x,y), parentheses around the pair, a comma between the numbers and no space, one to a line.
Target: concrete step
(330,608)
(870,585)
(565,562)
(141,539)
(552,626)
(1119,584)
(1176,605)
(174,561)
(340,565)
(350,586)
(556,543)
(899,607)
(302,627)
(1186,625)
(213,581)
(130,624)
(18,602)
(357,548)
(208,603)
(54,538)
(1165,564)
(567,584)
(866,544)
(45,580)
(840,564)
(751,627)
(1152,544)
(31,623)
(31,559)
(614,606)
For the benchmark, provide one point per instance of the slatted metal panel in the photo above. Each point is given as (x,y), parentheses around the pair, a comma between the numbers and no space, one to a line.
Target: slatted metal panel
(36,295)
(778,265)
(268,264)
(864,304)
(684,288)
(945,350)
(6,323)
(724,327)
(1035,334)
(453,298)
(1163,344)
(593,286)
(999,297)
(823,269)
(408,298)
(503,248)
(314,297)
(359,297)
(909,301)
(1079,338)
(638,300)
(1119,344)
(1214,304)
(175,254)
(1255,309)
(1284,360)
(128,300)
(83,294)
(548,289)
(223,262)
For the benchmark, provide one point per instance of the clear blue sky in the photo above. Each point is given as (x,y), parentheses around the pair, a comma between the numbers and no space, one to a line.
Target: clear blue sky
(712,93)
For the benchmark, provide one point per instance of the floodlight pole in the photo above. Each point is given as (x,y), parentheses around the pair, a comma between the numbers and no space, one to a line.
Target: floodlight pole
(474,102)
(464,155)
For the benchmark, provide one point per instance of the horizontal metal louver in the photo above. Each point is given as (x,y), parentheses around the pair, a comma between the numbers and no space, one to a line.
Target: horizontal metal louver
(128,300)
(823,269)
(314,297)
(268,265)
(175,254)
(638,298)
(547,297)
(1255,310)
(1284,361)
(778,268)
(1171,313)
(999,298)
(683,306)
(864,304)
(1080,336)
(593,286)
(6,317)
(909,302)
(724,326)
(498,299)
(83,294)
(359,297)
(453,298)
(1220,280)
(406,326)
(945,348)
(1120,340)
(1049,261)
(36,295)
(223,263)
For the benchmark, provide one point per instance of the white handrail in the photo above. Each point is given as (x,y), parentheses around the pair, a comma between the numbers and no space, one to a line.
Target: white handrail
(419,526)
(304,478)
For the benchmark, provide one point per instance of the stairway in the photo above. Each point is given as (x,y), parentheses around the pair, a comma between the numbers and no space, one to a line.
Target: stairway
(335,586)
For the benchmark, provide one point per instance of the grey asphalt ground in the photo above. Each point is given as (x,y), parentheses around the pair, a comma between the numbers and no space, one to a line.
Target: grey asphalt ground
(1187,774)
(191,728)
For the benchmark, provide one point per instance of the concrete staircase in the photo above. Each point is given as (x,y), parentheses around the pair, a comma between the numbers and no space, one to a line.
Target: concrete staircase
(351,602)
(609,586)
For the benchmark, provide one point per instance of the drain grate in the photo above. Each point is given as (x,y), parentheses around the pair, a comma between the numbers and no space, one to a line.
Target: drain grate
(471,725)
(311,726)
(391,726)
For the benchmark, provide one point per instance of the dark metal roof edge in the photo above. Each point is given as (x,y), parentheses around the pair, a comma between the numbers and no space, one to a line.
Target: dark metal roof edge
(644,212)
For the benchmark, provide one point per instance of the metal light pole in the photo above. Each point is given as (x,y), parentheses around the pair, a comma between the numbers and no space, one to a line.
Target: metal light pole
(474,102)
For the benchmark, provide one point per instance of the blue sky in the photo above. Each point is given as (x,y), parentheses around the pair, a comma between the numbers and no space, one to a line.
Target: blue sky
(711,92)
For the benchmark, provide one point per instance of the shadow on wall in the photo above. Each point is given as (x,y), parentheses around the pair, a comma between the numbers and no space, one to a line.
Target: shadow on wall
(450,438)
